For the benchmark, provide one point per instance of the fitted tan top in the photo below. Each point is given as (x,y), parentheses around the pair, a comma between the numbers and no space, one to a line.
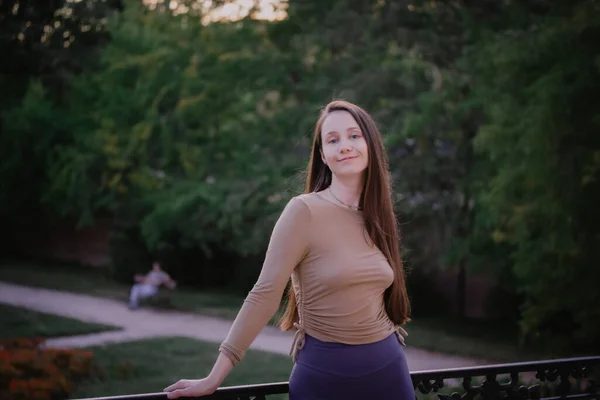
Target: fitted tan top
(338,275)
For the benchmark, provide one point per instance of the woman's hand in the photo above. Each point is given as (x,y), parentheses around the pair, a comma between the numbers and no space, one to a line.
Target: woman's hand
(191,388)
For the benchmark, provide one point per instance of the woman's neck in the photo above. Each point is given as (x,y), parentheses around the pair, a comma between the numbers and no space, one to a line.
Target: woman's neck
(347,190)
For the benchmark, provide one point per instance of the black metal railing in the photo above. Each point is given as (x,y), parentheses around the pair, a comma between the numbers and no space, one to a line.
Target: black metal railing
(571,378)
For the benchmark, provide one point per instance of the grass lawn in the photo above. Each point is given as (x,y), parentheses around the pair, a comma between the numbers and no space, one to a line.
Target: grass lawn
(20,322)
(495,343)
(150,365)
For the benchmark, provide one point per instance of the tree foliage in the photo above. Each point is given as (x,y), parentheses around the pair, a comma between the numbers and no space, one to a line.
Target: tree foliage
(193,135)
(540,86)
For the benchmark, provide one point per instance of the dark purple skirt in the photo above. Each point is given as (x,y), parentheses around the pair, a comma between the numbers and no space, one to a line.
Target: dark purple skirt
(336,371)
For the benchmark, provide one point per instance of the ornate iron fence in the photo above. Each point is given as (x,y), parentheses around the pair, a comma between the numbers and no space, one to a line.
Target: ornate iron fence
(571,378)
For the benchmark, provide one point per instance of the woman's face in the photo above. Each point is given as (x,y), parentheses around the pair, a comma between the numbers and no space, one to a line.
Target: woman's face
(344,148)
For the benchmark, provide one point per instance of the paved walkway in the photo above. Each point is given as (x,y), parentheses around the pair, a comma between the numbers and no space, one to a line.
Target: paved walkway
(146,323)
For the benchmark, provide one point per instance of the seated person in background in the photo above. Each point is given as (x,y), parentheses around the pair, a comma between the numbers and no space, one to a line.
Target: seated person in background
(147,285)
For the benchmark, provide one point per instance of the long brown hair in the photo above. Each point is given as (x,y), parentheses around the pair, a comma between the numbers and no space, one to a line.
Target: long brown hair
(376,202)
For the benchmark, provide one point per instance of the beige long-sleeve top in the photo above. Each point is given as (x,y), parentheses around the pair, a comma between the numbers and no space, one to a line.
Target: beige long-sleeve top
(338,275)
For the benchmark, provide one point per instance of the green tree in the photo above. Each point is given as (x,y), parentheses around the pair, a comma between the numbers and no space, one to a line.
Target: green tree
(44,46)
(540,86)
(181,123)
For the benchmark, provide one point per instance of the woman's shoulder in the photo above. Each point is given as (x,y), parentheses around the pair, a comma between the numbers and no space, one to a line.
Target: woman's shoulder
(297,207)
(319,205)
(315,207)
(310,201)
(303,205)
(296,214)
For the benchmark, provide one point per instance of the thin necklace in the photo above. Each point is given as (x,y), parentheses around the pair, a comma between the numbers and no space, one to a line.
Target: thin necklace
(341,202)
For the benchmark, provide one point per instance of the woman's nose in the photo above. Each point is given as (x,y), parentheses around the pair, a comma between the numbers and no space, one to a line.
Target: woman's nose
(345,146)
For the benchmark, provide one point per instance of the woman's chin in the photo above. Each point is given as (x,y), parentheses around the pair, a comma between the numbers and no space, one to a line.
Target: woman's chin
(349,172)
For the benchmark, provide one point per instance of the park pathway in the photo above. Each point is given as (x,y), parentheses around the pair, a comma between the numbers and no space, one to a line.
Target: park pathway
(149,323)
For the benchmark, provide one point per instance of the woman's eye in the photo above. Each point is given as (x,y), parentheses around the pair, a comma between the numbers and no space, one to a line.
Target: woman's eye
(332,140)
(355,136)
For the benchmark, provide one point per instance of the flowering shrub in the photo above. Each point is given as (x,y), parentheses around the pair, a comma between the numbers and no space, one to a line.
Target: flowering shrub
(29,371)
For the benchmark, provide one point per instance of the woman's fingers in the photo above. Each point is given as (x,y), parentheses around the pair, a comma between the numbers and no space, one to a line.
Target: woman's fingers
(176,393)
(190,388)
(190,391)
(180,384)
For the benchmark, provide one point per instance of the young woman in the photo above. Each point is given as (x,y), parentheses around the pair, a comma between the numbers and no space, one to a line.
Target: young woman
(339,243)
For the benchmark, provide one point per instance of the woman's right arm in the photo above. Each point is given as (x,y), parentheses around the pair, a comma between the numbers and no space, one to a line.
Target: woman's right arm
(287,247)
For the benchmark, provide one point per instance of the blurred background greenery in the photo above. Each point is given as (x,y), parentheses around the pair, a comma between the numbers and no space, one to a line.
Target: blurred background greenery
(177,131)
